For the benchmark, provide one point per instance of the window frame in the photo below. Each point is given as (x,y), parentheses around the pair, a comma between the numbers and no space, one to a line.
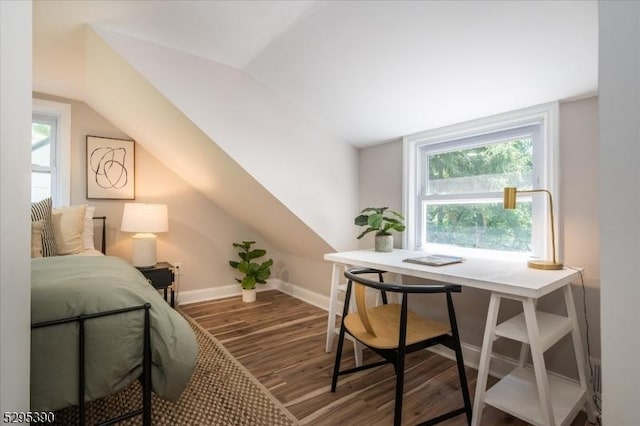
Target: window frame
(545,175)
(61,152)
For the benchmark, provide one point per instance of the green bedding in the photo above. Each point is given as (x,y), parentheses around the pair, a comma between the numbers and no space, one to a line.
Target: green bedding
(67,286)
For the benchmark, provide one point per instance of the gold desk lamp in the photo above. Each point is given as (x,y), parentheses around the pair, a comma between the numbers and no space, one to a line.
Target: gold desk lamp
(510,203)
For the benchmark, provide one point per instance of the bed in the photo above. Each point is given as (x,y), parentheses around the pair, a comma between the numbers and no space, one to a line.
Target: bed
(96,320)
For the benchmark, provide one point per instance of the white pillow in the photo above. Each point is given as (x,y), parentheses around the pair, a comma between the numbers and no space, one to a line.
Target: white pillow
(87,232)
(68,226)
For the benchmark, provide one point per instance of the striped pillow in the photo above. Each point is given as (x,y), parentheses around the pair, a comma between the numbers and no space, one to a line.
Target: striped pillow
(36,238)
(42,211)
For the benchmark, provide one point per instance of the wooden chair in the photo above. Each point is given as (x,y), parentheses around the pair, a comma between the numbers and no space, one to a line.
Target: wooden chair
(392,331)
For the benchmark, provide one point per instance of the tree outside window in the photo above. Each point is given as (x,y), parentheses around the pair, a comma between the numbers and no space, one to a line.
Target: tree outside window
(480,223)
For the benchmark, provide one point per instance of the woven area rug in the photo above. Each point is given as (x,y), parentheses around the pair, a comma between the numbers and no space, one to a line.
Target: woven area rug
(221,392)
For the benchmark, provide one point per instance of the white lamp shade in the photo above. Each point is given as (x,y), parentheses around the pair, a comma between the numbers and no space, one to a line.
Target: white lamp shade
(143,217)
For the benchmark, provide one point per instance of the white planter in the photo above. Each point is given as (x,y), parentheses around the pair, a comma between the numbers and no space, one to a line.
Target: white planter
(384,243)
(249,296)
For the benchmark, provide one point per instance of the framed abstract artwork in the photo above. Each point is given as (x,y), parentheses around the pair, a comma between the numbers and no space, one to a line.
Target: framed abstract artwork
(110,168)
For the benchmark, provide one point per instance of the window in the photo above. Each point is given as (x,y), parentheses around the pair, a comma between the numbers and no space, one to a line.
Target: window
(454,178)
(43,160)
(50,152)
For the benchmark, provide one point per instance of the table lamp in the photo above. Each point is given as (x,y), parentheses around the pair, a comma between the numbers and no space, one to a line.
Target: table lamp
(144,219)
(509,201)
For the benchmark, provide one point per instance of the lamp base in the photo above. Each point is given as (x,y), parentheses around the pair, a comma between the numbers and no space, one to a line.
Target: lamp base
(143,254)
(544,264)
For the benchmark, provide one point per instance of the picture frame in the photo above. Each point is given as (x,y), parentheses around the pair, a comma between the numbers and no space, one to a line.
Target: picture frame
(110,168)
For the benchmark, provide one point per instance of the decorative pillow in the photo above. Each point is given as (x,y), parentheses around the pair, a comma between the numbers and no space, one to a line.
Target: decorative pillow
(87,233)
(36,238)
(42,211)
(68,224)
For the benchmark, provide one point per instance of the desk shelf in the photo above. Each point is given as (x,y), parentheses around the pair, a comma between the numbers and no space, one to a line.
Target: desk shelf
(533,395)
(517,394)
(552,328)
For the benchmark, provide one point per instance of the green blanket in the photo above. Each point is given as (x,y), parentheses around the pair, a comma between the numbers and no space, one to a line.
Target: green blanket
(68,286)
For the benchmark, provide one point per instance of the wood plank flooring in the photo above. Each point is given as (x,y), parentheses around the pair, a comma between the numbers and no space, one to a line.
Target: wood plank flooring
(281,340)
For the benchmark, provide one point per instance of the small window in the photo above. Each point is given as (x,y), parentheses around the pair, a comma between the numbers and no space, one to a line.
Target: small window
(43,161)
(50,152)
(454,180)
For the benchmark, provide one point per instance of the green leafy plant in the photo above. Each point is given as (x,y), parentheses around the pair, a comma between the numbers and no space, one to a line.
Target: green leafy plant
(254,272)
(381,220)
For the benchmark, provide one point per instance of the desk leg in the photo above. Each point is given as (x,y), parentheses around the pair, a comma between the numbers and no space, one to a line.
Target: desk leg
(524,353)
(333,305)
(357,346)
(580,356)
(540,369)
(336,276)
(485,358)
(524,347)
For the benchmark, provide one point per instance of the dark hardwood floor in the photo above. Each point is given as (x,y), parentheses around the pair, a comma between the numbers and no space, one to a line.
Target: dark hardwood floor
(281,340)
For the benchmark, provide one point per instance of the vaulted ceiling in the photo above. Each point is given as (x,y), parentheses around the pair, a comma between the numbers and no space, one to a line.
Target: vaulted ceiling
(369,71)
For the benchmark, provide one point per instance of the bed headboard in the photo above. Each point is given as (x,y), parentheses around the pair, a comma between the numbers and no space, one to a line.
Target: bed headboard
(103,241)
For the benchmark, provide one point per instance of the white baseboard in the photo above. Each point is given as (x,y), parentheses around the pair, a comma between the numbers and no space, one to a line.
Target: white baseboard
(500,365)
(311,297)
(214,293)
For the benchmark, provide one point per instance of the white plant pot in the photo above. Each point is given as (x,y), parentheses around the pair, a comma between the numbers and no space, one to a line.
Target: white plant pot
(249,296)
(384,243)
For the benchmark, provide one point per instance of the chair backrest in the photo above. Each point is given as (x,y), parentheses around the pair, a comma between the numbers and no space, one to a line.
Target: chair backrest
(361,306)
(360,283)
(359,290)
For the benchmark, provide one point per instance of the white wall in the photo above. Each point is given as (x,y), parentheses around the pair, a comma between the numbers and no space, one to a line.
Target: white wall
(381,183)
(305,166)
(15,178)
(619,86)
(579,191)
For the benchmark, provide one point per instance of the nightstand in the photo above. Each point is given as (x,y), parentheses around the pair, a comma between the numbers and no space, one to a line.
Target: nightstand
(161,277)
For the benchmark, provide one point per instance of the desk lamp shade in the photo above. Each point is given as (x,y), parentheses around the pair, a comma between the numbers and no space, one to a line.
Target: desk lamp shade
(509,202)
(145,220)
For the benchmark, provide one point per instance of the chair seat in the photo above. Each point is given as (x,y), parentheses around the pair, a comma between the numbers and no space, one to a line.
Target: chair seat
(385,319)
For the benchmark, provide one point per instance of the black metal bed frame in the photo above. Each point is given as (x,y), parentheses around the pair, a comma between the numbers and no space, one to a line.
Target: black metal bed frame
(145,378)
(146,362)
(103,242)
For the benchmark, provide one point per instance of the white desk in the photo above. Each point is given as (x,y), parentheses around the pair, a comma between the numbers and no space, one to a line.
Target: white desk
(531,395)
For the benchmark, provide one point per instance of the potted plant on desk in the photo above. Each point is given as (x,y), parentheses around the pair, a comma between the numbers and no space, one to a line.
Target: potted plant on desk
(254,272)
(382,221)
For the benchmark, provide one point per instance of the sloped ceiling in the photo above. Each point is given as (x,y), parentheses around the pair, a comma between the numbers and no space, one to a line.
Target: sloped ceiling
(190,153)
(368,70)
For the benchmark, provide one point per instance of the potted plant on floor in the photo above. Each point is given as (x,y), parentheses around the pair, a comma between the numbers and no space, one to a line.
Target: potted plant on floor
(254,272)
(382,221)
